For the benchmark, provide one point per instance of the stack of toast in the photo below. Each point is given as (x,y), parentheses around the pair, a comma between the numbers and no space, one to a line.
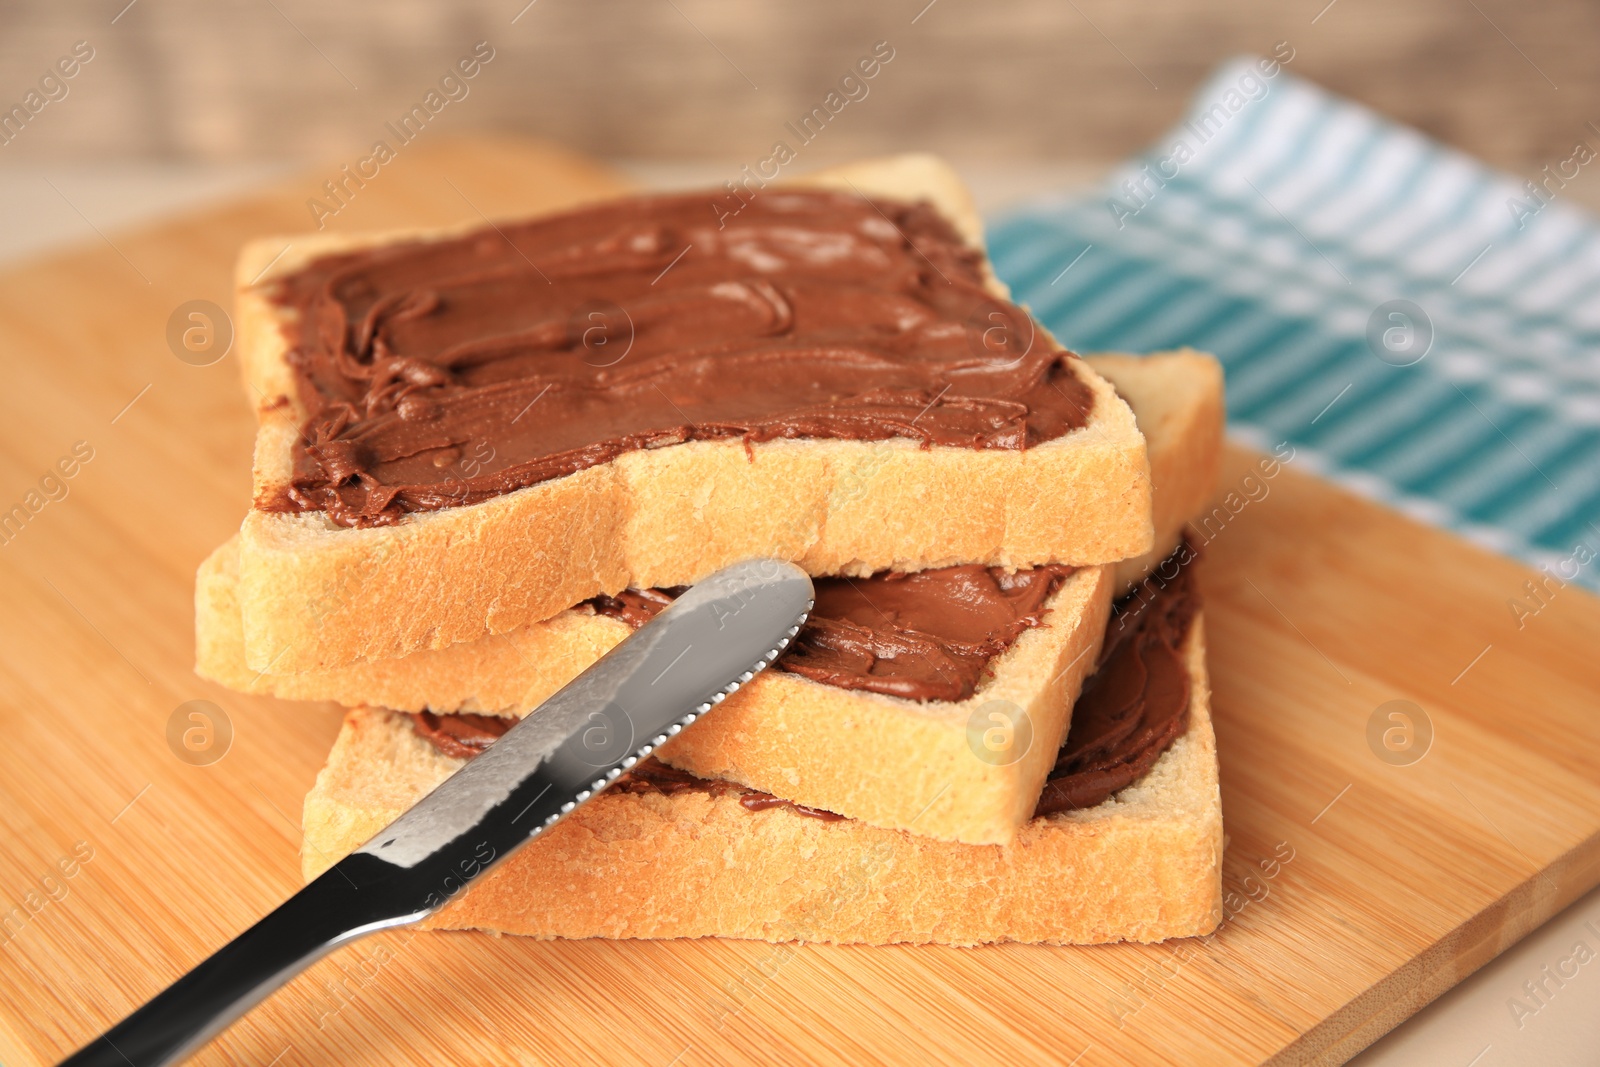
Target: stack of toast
(486,455)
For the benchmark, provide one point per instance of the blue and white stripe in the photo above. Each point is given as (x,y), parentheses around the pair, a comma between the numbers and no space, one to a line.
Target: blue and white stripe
(1274,245)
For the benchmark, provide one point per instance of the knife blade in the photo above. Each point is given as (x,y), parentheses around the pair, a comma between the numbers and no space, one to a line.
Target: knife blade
(704,646)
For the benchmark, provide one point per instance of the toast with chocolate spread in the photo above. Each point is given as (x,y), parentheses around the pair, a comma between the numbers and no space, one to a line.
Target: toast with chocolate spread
(465,432)
(885,710)
(1125,845)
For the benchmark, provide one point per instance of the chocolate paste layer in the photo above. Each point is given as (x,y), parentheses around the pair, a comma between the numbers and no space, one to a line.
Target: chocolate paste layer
(1137,702)
(1130,711)
(650,775)
(446,372)
(463,736)
(923,636)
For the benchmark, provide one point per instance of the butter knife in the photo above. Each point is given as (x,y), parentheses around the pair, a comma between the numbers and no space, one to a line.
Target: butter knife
(675,668)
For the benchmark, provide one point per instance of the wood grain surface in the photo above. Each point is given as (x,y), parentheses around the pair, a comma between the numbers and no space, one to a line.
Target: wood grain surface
(1359,888)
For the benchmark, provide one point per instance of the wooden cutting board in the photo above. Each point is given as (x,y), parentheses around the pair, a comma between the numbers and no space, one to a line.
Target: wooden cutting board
(1359,888)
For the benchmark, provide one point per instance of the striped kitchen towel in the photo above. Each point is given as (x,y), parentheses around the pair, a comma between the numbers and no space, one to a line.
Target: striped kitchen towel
(1420,328)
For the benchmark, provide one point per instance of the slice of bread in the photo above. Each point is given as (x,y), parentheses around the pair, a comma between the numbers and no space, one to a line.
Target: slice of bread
(1177,399)
(888,761)
(892,763)
(316,595)
(1144,865)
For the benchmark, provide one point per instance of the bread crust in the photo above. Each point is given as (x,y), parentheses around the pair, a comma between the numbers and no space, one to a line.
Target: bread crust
(316,595)
(1145,865)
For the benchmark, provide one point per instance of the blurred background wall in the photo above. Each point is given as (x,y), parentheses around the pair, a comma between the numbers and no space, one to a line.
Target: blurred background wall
(1028,80)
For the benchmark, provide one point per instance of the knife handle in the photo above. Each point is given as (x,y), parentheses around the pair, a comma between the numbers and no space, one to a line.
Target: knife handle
(176,1022)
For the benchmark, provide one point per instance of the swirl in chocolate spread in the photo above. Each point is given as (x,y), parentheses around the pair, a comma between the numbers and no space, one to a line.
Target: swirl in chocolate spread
(446,372)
